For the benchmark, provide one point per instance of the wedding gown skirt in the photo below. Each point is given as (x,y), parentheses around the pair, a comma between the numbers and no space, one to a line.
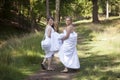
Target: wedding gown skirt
(68,52)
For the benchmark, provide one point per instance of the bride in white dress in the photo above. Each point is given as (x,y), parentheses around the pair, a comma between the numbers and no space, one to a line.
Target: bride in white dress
(68,52)
(52,36)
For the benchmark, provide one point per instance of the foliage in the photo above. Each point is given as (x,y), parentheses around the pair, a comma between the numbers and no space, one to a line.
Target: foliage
(114,8)
(35,10)
(76,8)
(20,57)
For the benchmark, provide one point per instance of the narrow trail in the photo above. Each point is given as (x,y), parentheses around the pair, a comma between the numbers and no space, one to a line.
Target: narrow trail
(53,75)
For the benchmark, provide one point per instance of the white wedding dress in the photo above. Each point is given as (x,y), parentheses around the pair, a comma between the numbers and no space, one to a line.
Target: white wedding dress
(54,42)
(48,52)
(68,52)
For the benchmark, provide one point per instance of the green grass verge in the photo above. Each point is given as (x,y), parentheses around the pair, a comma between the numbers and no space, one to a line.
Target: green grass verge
(99,51)
(20,57)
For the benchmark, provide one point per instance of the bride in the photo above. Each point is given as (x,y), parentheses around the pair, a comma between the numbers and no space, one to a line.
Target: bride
(68,52)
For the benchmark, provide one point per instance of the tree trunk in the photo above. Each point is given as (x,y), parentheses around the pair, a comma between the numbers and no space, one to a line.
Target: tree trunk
(32,18)
(95,11)
(57,14)
(47,9)
(6,9)
(119,8)
(107,9)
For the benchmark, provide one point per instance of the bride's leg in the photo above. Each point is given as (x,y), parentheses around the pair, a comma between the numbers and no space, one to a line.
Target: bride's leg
(43,64)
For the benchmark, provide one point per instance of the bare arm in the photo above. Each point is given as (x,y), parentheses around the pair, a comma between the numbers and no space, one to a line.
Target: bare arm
(68,31)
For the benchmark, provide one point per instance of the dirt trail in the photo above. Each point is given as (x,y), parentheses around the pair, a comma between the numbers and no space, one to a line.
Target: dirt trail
(53,75)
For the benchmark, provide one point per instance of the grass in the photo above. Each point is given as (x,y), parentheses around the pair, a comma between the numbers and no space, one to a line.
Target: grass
(20,57)
(98,50)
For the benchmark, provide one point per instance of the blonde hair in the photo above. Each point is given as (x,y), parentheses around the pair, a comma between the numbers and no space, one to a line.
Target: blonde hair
(68,17)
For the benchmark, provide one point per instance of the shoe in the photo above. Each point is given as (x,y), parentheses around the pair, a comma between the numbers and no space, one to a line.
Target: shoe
(43,67)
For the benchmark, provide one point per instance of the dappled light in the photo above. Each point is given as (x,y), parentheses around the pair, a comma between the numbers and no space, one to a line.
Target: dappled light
(23,56)
(22,27)
(98,49)
(100,55)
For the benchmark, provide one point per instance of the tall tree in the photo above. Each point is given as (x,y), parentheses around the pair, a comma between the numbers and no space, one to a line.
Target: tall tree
(7,5)
(119,8)
(107,10)
(57,14)
(95,11)
(47,8)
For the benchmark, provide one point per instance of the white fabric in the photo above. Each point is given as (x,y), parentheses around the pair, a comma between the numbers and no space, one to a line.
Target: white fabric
(46,30)
(68,53)
(45,44)
(55,41)
(61,36)
(48,53)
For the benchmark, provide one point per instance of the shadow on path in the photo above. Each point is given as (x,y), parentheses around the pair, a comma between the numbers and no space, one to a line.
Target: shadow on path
(53,75)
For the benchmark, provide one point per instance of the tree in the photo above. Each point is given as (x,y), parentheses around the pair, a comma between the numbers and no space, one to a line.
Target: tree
(47,8)
(57,14)
(7,6)
(95,11)
(107,9)
(111,5)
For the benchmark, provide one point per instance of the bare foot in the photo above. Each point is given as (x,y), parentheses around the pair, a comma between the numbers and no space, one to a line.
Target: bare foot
(65,71)
(50,69)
